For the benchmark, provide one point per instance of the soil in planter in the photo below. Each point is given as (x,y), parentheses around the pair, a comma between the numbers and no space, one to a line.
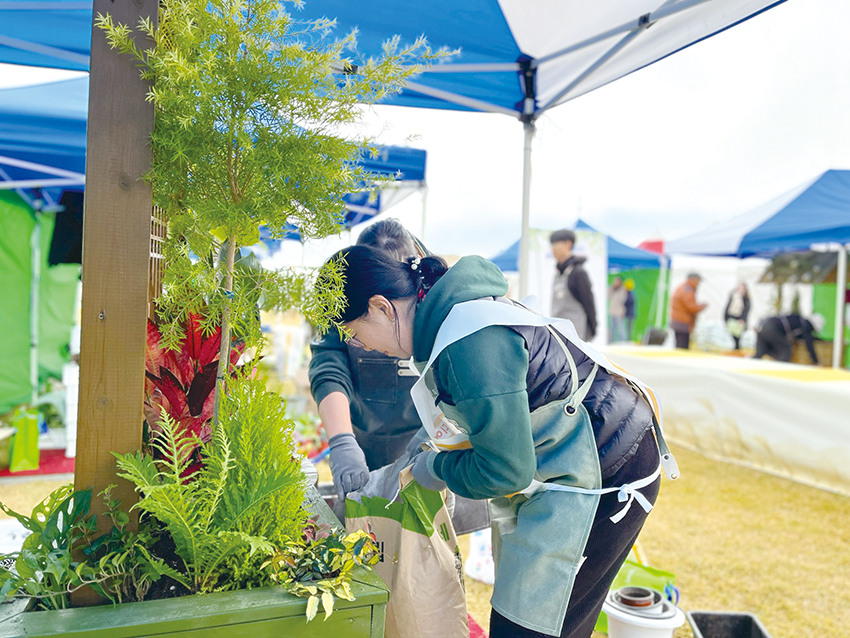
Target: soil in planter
(167,587)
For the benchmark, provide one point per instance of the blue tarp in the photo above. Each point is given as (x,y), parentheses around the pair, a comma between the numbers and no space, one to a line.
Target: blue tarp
(620,256)
(816,212)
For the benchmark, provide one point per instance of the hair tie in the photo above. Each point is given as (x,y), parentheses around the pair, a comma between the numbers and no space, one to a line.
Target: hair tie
(414,263)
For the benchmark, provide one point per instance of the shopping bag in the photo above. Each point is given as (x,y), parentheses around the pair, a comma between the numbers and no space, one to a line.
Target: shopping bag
(24,455)
(420,559)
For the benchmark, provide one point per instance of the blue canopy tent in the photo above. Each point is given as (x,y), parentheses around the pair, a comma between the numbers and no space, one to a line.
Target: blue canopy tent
(43,144)
(816,212)
(42,154)
(515,57)
(52,33)
(43,137)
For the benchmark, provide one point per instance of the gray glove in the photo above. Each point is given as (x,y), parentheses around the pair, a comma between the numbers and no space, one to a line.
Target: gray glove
(414,447)
(348,464)
(423,473)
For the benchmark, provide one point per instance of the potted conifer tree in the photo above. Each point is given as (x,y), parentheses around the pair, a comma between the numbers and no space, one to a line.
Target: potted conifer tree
(248,104)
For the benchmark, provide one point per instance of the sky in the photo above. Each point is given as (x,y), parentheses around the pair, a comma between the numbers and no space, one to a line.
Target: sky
(706,134)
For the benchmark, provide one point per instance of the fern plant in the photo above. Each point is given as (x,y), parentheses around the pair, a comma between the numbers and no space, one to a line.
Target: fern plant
(205,512)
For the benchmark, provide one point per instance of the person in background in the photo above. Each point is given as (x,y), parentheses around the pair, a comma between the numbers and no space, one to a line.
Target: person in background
(540,417)
(617,295)
(777,335)
(364,396)
(630,307)
(572,295)
(736,313)
(684,310)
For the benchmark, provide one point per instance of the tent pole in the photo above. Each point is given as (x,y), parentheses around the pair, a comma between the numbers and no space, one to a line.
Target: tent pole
(424,202)
(840,296)
(526,197)
(662,290)
(35,278)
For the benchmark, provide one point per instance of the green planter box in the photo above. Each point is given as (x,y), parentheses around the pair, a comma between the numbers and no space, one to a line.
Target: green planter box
(260,613)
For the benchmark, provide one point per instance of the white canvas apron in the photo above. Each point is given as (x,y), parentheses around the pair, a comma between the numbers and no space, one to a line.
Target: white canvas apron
(526,524)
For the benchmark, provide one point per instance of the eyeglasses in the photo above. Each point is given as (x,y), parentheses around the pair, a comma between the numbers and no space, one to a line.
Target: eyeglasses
(354,342)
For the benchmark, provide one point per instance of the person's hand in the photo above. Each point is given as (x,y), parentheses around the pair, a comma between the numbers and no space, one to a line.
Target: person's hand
(424,475)
(348,464)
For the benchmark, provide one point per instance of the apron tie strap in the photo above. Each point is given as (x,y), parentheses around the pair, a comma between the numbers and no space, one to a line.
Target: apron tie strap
(628,492)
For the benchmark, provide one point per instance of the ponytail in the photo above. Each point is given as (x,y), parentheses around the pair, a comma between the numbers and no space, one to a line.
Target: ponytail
(425,271)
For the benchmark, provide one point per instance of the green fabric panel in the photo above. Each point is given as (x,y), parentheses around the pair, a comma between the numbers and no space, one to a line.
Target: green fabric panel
(823,301)
(17,224)
(646,281)
(57,296)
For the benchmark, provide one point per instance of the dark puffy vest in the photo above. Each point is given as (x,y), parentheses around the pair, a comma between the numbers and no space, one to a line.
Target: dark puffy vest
(619,414)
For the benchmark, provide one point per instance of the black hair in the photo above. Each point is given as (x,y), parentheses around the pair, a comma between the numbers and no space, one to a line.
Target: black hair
(391,237)
(565,234)
(368,271)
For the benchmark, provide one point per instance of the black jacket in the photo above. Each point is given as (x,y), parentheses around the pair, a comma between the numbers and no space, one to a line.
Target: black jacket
(744,313)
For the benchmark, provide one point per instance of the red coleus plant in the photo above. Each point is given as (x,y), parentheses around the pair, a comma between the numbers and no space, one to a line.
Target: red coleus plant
(182,382)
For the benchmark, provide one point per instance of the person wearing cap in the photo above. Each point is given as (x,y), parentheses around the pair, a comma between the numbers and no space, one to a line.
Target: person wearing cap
(572,295)
(777,335)
(684,310)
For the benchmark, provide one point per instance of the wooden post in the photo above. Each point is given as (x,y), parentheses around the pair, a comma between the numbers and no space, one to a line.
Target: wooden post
(116,254)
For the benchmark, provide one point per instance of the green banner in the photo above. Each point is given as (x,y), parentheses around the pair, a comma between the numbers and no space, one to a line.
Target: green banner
(645,281)
(57,294)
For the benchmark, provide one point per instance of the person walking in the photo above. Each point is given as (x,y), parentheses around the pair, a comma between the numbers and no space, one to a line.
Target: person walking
(572,294)
(777,335)
(526,414)
(684,310)
(736,313)
(617,295)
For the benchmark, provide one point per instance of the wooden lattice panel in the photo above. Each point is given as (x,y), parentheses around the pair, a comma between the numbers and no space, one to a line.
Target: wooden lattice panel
(157,260)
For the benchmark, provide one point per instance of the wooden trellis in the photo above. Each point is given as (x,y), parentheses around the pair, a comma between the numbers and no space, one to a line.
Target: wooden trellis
(157,259)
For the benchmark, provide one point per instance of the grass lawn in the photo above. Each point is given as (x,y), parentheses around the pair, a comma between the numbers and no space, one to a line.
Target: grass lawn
(737,540)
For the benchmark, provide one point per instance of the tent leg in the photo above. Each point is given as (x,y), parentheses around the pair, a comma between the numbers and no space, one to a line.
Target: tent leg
(526,197)
(35,278)
(840,296)
(424,202)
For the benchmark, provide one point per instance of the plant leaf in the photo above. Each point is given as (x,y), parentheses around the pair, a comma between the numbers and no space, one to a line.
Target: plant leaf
(312,607)
(328,604)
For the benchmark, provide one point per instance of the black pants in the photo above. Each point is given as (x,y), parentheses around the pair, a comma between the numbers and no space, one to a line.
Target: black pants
(773,341)
(683,340)
(607,548)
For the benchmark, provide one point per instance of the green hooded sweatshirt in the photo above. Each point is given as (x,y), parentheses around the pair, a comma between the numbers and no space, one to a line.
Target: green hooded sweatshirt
(484,375)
